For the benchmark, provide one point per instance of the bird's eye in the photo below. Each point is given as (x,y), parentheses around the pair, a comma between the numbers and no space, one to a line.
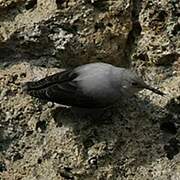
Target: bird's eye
(134,83)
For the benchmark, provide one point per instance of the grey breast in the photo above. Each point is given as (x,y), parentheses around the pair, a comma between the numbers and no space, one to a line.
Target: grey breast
(96,80)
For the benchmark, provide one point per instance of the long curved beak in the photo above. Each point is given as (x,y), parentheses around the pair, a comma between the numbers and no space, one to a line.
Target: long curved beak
(154,90)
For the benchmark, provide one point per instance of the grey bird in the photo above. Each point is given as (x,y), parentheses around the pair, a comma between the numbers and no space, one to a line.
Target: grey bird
(94,85)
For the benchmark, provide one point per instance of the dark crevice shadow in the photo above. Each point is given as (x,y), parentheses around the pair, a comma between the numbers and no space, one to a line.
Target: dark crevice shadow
(170,125)
(135,32)
(132,128)
(17,47)
(12,9)
(7,139)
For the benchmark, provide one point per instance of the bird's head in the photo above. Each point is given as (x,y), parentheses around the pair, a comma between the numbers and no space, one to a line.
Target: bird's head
(132,84)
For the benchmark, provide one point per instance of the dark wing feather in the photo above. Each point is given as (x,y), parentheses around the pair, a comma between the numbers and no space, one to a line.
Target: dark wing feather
(61,88)
(60,77)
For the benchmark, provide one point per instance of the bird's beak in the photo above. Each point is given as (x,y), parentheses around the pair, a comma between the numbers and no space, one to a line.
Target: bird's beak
(154,90)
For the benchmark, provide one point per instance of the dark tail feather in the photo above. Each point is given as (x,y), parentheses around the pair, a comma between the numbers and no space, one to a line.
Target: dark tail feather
(32,85)
(41,94)
(42,83)
(26,86)
(49,80)
(57,88)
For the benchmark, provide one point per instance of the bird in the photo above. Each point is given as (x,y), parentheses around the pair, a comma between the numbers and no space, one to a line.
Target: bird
(93,85)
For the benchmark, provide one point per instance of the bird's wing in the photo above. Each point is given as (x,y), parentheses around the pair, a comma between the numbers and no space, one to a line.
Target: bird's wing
(60,77)
(61,88)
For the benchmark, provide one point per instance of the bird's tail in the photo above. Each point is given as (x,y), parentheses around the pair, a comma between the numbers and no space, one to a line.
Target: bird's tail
(27,86)
(34,89)
(40,88)
(42,83)
(47,81)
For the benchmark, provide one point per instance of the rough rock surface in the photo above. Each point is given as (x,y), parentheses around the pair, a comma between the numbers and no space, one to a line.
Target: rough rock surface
(75,32)
(39,140)
(160,32)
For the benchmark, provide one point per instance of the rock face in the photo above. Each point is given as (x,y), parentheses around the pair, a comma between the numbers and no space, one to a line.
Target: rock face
(136,140)
(74,32)
(159,42)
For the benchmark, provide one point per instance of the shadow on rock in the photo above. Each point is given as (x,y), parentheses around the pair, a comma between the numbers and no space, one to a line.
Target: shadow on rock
(124,132)
(170,125)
